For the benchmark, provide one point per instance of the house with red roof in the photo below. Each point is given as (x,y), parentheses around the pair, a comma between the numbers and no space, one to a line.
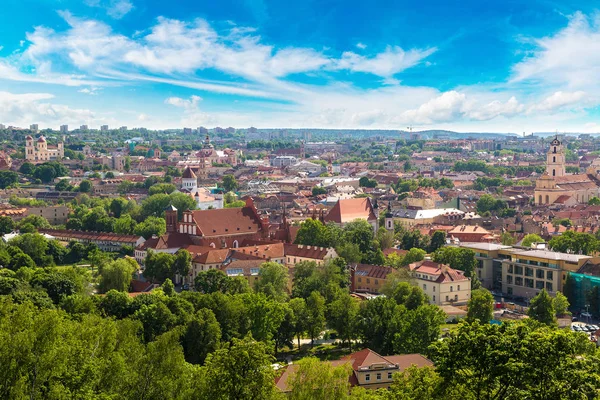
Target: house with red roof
(369,369)
(443,285)
(348,210)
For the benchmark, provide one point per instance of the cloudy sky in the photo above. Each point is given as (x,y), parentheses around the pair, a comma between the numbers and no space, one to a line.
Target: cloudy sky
(470,65)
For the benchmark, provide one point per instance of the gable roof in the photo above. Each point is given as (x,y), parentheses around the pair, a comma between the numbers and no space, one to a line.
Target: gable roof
(226,221)
(299,250)
(346,210)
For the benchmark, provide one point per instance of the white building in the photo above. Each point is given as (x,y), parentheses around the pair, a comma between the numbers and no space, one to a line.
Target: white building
(443,285)
(64,129)
(284,161)
(203,197)
(34,127)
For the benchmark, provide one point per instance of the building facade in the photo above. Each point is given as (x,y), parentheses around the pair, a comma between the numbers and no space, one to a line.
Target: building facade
(41,151)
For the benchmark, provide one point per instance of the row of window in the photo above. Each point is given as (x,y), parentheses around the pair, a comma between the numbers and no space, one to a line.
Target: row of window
(369,280)
(377,376)
(529,283)
(451,288)
(539,273)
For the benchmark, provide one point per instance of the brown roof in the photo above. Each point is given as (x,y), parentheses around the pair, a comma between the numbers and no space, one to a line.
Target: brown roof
(83,235)
(299,250)
(226,221)
(445,273)
(373,271)
(265,251)
(173,240)
(215,256)
(346,210)
(188,173)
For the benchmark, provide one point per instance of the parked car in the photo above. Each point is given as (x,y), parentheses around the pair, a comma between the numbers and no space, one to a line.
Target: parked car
(574,319)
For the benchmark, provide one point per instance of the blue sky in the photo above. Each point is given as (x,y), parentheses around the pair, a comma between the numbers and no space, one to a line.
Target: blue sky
(506,66)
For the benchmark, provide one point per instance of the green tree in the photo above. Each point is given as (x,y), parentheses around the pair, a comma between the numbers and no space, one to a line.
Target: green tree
(313,233)
(315,314)
(35,246)
(438,240)
(201,337)
(458,258)
(8,178)
(298,306)
(6,225)
(229,183)
(63,186)
(159,266)
(241,371)
(124,225)
(481,306)
(182,202)
(154,206)
(85,186)
(343,313)
(594,201)
(561,305)
(273,280)
(317,380)
(166,188)
(151,226)
(117,275)
(507,239)
(530,239)
(182,262)
(541,308)
(413,255)
(317,190)
(213,280)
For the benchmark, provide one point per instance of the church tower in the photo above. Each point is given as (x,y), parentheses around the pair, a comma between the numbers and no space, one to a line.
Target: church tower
(555,159)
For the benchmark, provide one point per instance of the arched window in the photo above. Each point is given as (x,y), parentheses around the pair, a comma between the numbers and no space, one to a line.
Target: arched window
(553,172)
(554,159)
(235,244)
(212,245)
(555,149)
(540,201)
(547,199)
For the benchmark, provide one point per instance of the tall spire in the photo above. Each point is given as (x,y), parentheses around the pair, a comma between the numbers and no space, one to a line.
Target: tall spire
(207,144)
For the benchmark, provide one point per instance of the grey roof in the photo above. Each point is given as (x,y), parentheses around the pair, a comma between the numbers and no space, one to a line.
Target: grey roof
(552,255)
(484,246)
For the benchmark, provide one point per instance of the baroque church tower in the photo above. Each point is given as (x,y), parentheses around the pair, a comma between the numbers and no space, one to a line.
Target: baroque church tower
(555,159)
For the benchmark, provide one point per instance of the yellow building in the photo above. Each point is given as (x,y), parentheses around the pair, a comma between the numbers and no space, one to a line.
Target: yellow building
(555,186)
(41,152)
(527,272)
(443,285)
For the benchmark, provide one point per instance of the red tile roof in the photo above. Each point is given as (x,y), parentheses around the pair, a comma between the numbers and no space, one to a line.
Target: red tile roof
(346,210)
(298,250)
(226,221)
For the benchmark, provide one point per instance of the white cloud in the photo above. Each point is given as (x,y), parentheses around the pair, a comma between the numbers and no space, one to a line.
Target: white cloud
(392,61)
(26,108)
(143,117)
(116,9)
(188,105)
(448,106)
(497,108)
(559,100)
(361,46)
(92,91)
(571,57)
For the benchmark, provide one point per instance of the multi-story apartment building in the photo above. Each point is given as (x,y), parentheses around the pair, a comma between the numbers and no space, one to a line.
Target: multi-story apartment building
(529,271)
(489,262)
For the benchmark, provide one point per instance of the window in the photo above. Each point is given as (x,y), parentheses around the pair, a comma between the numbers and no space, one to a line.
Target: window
(519,281)
(549,286)
(510,269)
(446,298)
(539,284)
(434,298)
(379,376)
(528,283)
(518,270)
(539,273)
(458,288)
(451,288)
(509,291)
(389,375)
(424,287)
(455,297)
(549,275)
(360,279)
(509,279)
(434,289)
(367,377)
(368,280)
(528,271)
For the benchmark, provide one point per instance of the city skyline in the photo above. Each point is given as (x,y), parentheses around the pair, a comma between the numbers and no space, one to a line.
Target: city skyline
(467,67)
